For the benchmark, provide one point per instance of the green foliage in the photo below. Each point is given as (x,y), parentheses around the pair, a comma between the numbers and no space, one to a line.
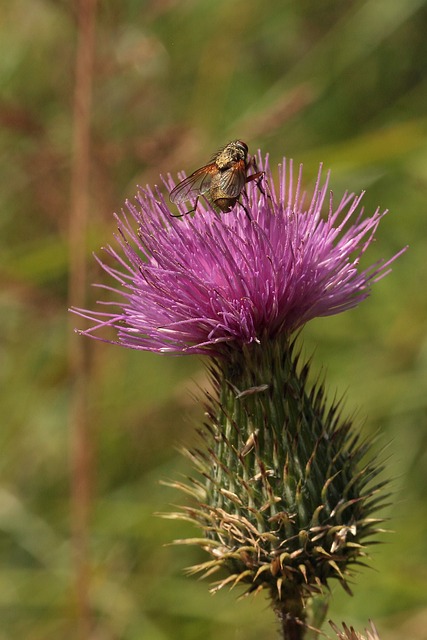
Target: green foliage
(338,82)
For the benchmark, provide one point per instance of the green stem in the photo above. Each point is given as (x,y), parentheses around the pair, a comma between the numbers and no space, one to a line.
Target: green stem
(291,615)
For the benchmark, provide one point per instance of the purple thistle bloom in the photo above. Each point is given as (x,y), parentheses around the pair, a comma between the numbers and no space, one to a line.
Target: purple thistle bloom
(197,284)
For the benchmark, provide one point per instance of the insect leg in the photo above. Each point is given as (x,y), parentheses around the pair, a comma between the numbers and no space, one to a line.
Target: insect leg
(258,177)
(181,215)
(245,210)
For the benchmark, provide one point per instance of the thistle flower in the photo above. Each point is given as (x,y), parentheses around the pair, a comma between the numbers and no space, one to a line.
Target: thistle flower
(202,284)
(285,491)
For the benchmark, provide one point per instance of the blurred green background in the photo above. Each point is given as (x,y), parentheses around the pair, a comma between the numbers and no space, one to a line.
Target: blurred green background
(342,82)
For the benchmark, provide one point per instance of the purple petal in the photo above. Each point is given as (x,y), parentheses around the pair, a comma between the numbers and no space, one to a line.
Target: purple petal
(193,284)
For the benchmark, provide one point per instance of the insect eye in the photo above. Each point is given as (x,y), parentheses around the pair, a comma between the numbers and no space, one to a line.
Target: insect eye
(243,146)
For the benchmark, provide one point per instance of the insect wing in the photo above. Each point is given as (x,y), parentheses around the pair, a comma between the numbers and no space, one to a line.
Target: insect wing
(195,185)
(233,179)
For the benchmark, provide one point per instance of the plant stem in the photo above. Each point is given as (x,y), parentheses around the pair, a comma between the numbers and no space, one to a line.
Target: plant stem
(291,616)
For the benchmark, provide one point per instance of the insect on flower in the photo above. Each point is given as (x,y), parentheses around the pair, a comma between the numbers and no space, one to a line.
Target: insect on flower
(220,182)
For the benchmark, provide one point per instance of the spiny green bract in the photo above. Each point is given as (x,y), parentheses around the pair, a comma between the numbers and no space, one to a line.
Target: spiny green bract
(285,496)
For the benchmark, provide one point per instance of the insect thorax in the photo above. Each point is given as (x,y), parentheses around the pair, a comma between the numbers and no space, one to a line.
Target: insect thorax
(231,153)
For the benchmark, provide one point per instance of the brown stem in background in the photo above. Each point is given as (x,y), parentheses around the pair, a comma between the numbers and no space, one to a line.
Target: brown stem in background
(81,446)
